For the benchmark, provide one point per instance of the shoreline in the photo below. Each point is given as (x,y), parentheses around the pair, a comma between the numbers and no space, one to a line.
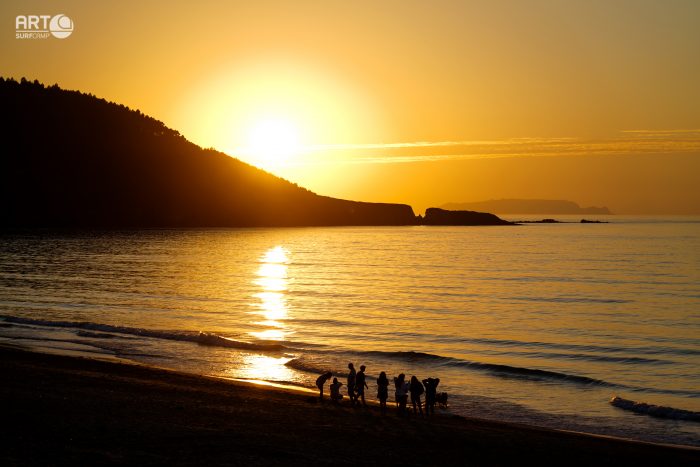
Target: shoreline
(303,390)
(67,410)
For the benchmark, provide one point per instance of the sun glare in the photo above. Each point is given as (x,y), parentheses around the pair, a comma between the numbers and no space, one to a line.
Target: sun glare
(269,110)
(272,142)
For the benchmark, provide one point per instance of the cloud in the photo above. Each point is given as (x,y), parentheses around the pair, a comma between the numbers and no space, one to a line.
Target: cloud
(663,132)
(426,144)
(631,142)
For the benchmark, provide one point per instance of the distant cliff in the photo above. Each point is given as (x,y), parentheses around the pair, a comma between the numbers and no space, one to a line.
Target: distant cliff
(72,160)
(527,206)
(436,216)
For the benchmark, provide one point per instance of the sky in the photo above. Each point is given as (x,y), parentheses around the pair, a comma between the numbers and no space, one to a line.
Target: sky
(419,102)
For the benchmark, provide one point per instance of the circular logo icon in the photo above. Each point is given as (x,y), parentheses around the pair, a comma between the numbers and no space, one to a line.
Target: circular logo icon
(61,26)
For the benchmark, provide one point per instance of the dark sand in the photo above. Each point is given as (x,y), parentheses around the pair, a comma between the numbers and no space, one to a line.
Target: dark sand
(64,410)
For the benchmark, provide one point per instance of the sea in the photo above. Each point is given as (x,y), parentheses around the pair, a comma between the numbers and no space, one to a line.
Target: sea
(581,327)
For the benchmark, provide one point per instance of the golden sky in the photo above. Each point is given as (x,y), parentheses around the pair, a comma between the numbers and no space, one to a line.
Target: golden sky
(422,102)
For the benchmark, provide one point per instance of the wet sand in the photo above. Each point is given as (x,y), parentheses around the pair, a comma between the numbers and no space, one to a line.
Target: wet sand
(59,410)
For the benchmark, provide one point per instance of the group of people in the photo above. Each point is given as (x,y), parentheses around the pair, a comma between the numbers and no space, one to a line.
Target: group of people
(356,385)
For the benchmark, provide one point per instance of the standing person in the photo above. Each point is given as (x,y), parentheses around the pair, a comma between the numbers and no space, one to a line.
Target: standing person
(382,391)
(351,383)
(360,385)
(431,385)
(336,396)
(416,389)
(321,380)
(401,393)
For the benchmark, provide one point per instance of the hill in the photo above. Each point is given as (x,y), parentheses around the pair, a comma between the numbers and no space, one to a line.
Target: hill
(73,160)
(527,206)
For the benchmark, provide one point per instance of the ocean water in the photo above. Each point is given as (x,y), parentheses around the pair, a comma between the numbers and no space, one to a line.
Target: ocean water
(539,324)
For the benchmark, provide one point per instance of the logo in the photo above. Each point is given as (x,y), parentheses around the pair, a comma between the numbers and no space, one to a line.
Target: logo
(43,26)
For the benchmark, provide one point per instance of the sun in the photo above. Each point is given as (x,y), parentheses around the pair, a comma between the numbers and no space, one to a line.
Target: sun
(272,142)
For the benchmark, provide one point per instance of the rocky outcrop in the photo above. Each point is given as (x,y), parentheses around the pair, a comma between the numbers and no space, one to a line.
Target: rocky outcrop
(528,206)
(437,216)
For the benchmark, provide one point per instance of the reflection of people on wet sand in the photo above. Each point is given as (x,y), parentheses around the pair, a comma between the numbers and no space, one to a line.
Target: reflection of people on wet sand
(321,380)
(360,385)
(335,390)
(401,393)
(431,385)
(351,383)
(382,390)
(416,389)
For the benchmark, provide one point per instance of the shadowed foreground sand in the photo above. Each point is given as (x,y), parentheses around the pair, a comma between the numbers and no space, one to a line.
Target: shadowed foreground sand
(64,410)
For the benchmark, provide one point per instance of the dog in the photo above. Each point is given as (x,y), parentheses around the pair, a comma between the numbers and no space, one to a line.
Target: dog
(441,399)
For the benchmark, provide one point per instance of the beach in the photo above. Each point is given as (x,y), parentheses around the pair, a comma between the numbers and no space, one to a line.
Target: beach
(60,410)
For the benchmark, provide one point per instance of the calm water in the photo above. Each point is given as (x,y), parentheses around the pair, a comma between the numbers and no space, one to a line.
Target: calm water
(538,324)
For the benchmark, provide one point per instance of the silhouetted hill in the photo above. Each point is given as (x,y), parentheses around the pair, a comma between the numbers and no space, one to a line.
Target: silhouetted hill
(72,160)
(527,206)
(436,216)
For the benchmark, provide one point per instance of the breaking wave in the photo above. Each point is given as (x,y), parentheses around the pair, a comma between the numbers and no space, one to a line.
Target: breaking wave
(95,330)
(302,365)
(205,338)
(659,411)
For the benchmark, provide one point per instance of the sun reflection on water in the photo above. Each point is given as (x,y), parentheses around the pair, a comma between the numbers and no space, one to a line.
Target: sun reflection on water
(273,305)
(272,278)
(264,367)
(275,255)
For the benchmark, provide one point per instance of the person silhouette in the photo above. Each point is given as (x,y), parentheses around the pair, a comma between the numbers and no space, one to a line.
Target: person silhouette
(352,375)
(401,393)
(321,380)
(360,385)
(382,391)
(416,389)
(431,385)
(335,391)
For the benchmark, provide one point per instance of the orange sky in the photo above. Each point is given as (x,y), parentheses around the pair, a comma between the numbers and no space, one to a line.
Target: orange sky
(406,101)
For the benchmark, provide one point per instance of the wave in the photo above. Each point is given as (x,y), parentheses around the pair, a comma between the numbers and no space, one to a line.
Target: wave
(659,411)
(302,365)
(214,340)
(504,371)
(534,373)
(201,338)
(508,370)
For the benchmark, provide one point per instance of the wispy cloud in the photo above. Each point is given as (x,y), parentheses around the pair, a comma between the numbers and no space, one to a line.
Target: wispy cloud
(630,142)
(428,144)
(664,132)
